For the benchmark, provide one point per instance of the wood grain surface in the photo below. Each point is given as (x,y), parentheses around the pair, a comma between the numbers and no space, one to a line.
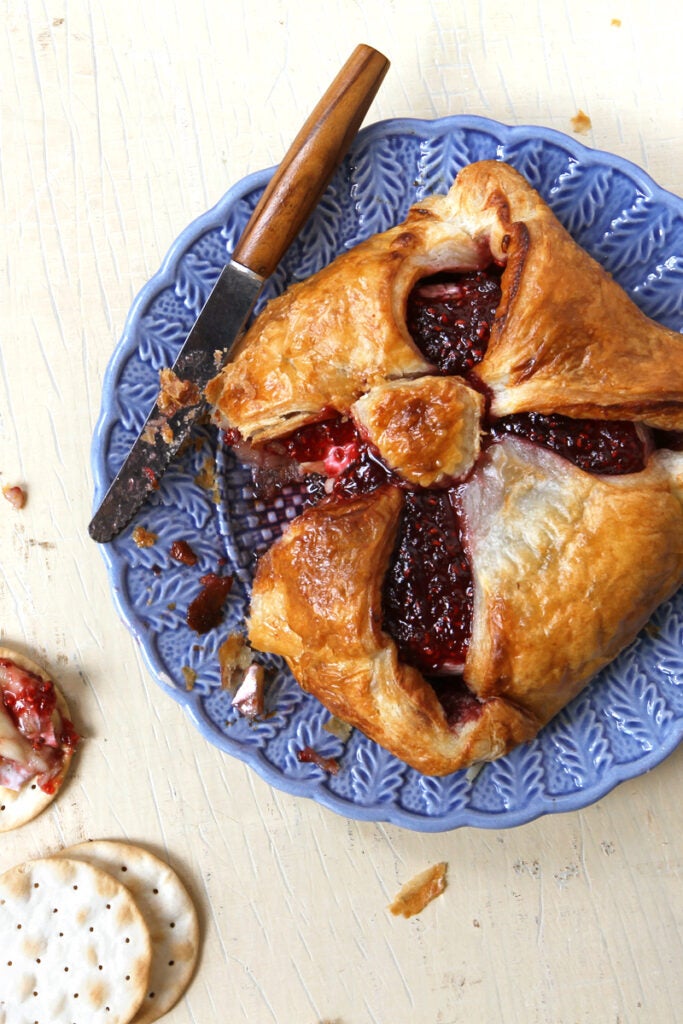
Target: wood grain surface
(120,123)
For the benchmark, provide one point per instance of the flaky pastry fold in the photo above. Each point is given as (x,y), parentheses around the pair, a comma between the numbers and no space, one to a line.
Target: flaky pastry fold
(565,339)
(317,601)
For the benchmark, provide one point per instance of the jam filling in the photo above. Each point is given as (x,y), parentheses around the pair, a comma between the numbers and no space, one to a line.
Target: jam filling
(449,317)
(609,447)
(428,586)
(335,459)
(458,702)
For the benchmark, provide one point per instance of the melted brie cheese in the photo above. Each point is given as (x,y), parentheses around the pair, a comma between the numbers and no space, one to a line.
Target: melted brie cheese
(13,746)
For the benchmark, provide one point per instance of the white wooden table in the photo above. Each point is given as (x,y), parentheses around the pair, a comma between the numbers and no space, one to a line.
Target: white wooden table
(120,123)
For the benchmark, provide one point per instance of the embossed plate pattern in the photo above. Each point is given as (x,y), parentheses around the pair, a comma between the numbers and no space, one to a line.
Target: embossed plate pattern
(623,724)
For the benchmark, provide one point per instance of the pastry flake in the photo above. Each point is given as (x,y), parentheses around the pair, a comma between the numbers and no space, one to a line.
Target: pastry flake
(419,891)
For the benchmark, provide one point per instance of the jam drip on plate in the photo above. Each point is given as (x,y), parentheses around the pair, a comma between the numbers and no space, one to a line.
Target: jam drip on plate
(428,587)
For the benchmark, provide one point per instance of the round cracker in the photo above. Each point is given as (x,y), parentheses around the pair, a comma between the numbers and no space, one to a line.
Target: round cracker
(74,948)
(22,805)
(168,911)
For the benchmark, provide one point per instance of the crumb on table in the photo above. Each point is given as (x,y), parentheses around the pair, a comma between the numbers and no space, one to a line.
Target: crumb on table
(581,123)
(414,896)
(15,495)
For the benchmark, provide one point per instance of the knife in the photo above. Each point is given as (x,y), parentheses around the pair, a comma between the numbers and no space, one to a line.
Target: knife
(289,198)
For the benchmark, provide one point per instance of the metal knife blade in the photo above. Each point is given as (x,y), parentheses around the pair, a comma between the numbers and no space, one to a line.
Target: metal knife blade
(285,205)
(205,350)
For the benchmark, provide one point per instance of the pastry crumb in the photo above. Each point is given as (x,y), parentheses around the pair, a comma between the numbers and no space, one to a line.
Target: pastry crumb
(616,22)
(414,896)
(206,479)
(155,428)
(175,393)
(15,495)
(473,771)
(190,677)
(144,538)
(234,659)
(581,123)
(336,727)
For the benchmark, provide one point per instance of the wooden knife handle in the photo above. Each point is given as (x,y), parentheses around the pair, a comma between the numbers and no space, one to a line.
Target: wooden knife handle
(310,162)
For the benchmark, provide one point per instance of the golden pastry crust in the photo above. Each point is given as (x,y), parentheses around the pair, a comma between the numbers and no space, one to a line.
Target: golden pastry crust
(566,338)
(327,340)
(426,430)
(567,566)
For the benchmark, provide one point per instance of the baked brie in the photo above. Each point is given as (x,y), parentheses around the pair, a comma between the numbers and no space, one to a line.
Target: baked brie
(490,427)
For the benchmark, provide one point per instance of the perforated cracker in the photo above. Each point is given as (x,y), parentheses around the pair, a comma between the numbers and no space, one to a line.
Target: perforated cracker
(168,911)
(74,948)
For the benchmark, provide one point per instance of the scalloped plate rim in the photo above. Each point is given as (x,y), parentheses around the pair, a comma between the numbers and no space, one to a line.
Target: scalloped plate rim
(314,789)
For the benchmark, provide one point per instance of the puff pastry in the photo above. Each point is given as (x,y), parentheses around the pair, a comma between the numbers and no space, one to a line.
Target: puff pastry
(566,338)
(566,564)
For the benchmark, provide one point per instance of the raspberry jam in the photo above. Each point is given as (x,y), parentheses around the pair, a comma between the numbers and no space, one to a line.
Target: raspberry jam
(206,609)
(330,445)
(336,458)
(459,704)
(428,587)
(449,317)
(609,447)
(31,702)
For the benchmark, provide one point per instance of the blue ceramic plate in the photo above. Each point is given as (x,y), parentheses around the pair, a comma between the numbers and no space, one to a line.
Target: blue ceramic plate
(623,724)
